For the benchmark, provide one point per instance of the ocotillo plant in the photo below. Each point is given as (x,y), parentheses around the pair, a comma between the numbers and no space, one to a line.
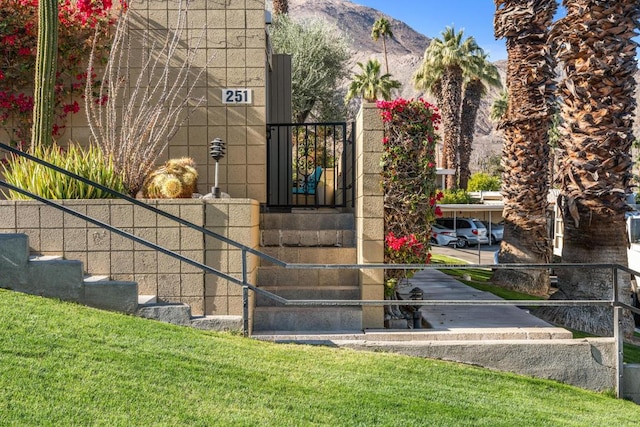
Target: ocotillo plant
(45,73)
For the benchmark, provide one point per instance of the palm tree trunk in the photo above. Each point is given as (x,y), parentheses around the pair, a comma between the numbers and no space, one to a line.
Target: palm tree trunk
(525,153)
(470,105)
(450,107)
(384,48)
(594,163)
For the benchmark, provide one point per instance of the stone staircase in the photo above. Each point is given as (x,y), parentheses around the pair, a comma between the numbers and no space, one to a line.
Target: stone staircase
(54,277)
(309,237)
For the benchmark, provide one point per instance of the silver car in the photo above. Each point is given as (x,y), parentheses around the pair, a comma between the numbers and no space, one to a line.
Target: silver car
(496,231)
(442,236)
(470,231)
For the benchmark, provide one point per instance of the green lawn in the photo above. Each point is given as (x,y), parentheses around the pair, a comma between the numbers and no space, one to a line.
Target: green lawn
(64,364)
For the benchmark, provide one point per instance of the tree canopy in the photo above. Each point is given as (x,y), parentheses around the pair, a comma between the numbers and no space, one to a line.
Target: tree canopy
(319,56)
(370,84)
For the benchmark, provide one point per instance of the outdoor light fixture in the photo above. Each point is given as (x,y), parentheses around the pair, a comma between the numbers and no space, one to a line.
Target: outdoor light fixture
(416,294)
(217,153)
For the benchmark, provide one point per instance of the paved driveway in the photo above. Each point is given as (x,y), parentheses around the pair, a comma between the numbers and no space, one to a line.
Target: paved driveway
(472,255)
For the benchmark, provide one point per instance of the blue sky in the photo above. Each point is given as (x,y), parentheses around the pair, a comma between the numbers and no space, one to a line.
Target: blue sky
(430,17)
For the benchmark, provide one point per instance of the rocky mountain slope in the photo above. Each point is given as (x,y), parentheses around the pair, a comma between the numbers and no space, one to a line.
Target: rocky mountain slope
(405,52)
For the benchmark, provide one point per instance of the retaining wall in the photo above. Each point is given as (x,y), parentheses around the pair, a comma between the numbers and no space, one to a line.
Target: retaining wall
(52,232)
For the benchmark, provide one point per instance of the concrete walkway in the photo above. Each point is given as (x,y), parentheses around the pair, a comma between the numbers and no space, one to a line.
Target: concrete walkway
(448,322)
(437,285)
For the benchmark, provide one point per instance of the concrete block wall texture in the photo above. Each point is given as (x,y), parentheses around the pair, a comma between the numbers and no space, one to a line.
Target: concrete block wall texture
(102,252)
(234,35)
(369,210)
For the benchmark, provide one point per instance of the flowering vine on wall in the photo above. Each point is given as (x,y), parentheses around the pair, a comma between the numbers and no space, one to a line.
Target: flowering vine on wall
(409,182)
(79,22)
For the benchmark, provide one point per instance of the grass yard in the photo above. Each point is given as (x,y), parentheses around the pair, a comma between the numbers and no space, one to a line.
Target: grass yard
(64,364)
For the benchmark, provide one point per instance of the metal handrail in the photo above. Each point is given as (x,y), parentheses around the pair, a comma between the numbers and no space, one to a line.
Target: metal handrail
(141,204)
(289,302)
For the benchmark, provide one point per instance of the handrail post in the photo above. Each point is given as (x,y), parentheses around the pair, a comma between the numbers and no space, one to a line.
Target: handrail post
(618,338)
(244,266)
(245,311)
(245,295)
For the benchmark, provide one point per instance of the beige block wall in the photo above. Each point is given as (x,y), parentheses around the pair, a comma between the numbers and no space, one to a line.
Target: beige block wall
(52,232)
(236,39)
(369,211)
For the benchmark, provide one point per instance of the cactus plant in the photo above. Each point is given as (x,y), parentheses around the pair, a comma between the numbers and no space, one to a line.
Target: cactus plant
(45,75)
(177,178)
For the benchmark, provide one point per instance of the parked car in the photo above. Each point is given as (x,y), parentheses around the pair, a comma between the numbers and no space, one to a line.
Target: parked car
(470,231)
(496,231)
(443,236)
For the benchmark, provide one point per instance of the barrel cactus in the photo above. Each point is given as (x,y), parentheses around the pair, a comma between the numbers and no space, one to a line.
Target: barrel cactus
(177,178)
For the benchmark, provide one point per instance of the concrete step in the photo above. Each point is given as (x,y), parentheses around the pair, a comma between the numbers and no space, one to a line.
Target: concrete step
(54,278)
(113,295)
(14,255)
(423,336)
(44,257)
(147,299)
(307,220)
(275,319)
(278,276)
(175,313)
(180,314)
(311,255)
(310,238)
(308,293)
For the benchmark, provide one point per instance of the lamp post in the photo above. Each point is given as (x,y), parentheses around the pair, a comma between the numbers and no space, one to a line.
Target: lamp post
(217,153)
(416,294)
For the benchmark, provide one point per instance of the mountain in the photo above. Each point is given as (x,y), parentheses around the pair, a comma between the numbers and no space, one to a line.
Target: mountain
(405,52)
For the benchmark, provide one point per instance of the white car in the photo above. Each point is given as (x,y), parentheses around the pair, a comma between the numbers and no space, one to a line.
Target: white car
(443,236)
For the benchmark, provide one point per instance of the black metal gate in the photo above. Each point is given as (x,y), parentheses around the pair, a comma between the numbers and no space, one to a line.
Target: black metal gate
(310,165)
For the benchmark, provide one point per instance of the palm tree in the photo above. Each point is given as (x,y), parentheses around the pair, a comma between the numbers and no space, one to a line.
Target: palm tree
(525,153)
(499,106)
(450,56)
(477,78)
(280,7)
(382,28)
(370,84)
(597,109)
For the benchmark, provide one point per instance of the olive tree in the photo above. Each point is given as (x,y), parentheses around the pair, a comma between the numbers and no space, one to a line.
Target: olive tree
(319,56)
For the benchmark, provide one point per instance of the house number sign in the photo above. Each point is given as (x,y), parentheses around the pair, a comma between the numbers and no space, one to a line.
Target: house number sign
(236,96)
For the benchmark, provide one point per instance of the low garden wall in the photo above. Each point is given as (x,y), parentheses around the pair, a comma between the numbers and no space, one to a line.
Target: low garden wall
(52,232)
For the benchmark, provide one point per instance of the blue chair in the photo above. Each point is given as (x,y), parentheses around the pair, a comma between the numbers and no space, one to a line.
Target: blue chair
(309,183)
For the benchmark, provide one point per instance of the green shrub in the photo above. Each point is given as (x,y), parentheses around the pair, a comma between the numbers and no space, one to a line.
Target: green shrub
(483,182)
(451,197)
(88,162)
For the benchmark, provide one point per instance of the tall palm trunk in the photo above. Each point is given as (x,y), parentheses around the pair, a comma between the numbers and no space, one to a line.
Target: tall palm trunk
(473,91)
(594,165)
(525,153)
(384,49)
(450,107)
